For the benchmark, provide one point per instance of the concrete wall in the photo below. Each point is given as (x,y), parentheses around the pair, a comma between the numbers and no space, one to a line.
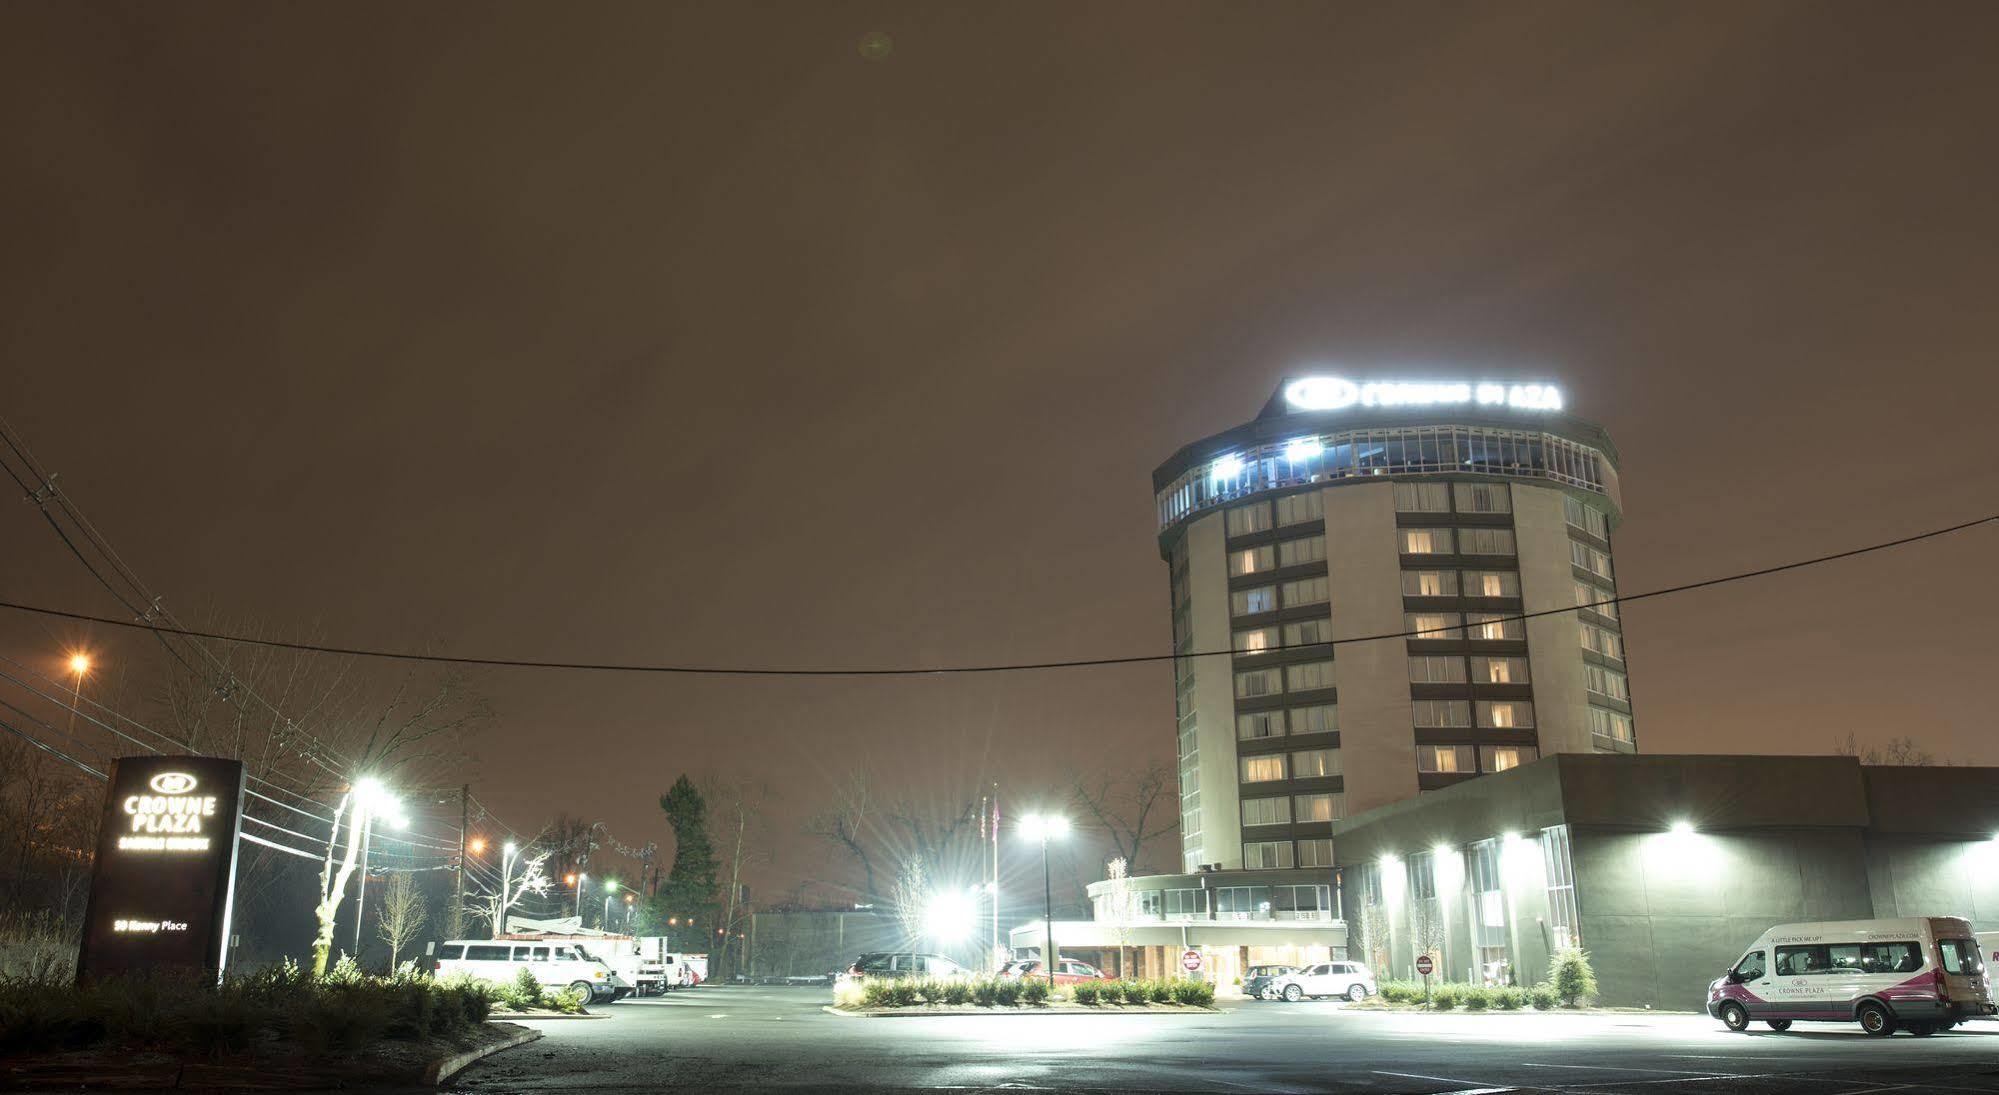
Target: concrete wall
(1377,746)
(1214,691)
(1554,643)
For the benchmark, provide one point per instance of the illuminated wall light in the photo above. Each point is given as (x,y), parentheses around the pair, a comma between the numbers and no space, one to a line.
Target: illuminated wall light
(1228,467)
(1304,448)
(1683,827)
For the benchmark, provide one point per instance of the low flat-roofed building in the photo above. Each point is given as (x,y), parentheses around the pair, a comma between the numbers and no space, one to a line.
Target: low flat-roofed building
(1663,868)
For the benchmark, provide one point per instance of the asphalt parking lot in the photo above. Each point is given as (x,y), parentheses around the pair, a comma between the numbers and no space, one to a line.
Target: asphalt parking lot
(748,1038)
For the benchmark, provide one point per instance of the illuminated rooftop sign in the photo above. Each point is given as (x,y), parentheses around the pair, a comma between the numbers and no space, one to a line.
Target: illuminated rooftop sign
(1333,393)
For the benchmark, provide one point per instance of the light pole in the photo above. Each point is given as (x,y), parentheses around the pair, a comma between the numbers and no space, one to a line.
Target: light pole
(370,798)
(79,664)
(1042,827)
(507,851)
(610,891)
(628,914)
(579,880)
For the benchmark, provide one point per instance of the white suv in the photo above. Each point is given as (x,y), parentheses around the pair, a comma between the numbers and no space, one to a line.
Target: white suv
(1349,979)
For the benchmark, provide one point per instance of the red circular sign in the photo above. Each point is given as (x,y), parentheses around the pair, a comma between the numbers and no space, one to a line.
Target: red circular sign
(1423,965)
(1190,961)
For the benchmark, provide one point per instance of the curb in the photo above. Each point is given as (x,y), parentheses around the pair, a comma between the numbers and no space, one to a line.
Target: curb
(1070,1010)
(438,1071)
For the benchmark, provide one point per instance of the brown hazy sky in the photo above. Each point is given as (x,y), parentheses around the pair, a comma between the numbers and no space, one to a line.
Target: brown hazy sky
(685,333)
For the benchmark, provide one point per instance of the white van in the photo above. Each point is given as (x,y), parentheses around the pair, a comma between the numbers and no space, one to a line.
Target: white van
(555,965)
(1920,974)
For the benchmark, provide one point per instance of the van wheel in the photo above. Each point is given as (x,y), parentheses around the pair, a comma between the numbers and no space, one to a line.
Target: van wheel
(1875,1020)
(582,989)
(1922,1030)
(1733,1017)
(1293,994)
(1779,1024)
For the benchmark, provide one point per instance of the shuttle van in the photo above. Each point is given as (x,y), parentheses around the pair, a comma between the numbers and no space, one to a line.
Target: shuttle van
(555,964)
(1921,974)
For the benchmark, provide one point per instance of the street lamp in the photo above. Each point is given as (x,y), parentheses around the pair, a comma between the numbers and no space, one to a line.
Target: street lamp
(79,664)
(579,880)
(610,890)
(628,914)
(1043,827)
(371,798)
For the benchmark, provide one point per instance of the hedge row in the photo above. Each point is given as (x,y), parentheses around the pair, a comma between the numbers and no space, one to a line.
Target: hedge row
(1000,992)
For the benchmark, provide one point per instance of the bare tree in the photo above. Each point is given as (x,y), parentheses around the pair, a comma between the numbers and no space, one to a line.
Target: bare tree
(737,809)
(404,914)
(911,900)
(1119,894)
(571,840)
(521,875)
(1135,811)
(1897,751)
(850,824)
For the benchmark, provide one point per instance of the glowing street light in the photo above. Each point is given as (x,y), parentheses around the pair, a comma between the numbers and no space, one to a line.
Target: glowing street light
(371,797)
(950,915)
(581,881)
(79,664)
(1683,827)
(478,845)
(1044,827)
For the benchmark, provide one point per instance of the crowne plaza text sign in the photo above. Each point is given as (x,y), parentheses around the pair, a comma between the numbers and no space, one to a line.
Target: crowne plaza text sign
(162,887)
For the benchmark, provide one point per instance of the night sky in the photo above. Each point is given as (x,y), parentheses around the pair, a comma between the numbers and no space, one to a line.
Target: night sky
(692,333)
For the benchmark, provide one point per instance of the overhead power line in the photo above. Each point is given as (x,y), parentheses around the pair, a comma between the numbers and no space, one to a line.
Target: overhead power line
(931,671)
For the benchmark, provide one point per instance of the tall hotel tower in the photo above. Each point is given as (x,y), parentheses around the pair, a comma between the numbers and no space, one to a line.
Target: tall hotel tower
(1347,510)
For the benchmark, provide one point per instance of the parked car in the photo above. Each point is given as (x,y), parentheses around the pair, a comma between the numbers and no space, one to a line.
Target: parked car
(555,965)
(1068,971)
(1349,979)
(1259,981)
(1920,974)
(902,964)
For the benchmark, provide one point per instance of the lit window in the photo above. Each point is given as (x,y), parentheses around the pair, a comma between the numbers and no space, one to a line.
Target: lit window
(1294,509)
(1600,641)
(1315,763)
(1498,758)
(1433,714)
(1589,558)
(1587,518)
(1254,560)
(1326,806)
(1487,670)
(1436,669)
(1315,853)
(1426,541)
(1444,758)
(1263,769)
(1432,625)
(1422,497)
(1305,591)
(1492,583)
(1505,714)
(1266,855)
(1485,541)
(1308,676)
(1600,601)
(1258,682)
(1307,632)
(1248,602)
(1266,811)
(1309,549)
(1608,683)
(1255,642)
(1429,583)
(1610,728)
(1259,724)
(1244,520)
(1483,497)
(1489,625)
(1317,719)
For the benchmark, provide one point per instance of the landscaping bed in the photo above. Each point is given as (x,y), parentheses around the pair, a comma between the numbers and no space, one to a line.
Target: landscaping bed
(991,995)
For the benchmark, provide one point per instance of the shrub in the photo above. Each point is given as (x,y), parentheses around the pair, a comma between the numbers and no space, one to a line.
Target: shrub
(1543,997)
(525,993)
(985,992)
(1444,997)
(875,993)
(901,993)
(1401,992)
(1509,998)
(570,1001)
(1006,992)
(1087,993)
(1134,992)
(1476,998)
(1034,993)
(957,992)
(1160,991)
(1573,978)
(1194,993)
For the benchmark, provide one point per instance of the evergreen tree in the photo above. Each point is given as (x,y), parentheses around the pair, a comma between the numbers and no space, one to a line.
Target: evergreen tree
(689,892)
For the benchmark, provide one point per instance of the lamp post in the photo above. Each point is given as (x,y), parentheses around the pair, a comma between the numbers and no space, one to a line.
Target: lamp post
(1042,827)
(580,879)
(79,664)
(610,891)
(370,798)
(628,914)
(507,851)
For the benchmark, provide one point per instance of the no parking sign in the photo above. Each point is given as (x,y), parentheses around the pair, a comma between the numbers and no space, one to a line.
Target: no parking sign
(1190,960)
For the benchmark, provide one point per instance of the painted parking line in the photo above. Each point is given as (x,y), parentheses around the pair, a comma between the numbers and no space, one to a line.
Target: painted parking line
(1477,1086)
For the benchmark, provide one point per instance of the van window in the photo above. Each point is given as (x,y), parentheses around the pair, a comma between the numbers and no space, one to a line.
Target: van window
(1750,968)
(476,953)
(530,954)
(1891,958)
(451,950)
(1820,958)
(1960,956)
(565,954)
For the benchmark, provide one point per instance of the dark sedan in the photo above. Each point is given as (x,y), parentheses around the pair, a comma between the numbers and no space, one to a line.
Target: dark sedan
(1257,980)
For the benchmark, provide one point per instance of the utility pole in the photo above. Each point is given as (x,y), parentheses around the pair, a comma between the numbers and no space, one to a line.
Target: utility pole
(464,836)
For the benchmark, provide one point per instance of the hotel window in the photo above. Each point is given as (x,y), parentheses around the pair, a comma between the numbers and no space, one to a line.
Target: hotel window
(1485,541)
(1422,498)
(1315,763)
(1148,906)
(1315,853)
(1258,682)
(1254,560)
(1435,714)
(1186,904)
(1254,517)
(1505,714)
(1259,724)
(1493,625)
(1308,676)
(1610,729)
(1498,758)
(1421,871)
(1328,806)
(1589,558)
(1587,518)
(1305,591)
(1444,758)
(1262,856)
(1608,683)
(1266,811)
(1599,601)
(1295,509)
(1486,670)
(1599,641)
(1432,625)
(1308,549)
(1263,769)
(1436,669)
(1258,641)
(1429,583)
(1492,583)
(1561,877)
(1248,602)
(1426,541)
(1487,902)
(1483,497)
(1308,632)
(1318,719)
